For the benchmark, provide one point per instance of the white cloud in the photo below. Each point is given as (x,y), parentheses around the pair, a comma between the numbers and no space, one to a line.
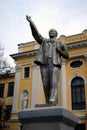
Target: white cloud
(67,16)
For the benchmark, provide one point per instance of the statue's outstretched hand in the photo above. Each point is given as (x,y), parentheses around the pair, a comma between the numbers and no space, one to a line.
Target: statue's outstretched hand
(28,18)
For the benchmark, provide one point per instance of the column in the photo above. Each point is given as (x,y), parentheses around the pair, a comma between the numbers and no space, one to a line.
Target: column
(63,84)
(16,90)
(34,84)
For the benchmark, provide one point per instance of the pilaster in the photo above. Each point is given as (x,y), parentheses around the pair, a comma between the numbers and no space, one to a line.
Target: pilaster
(16,90)
(34,83)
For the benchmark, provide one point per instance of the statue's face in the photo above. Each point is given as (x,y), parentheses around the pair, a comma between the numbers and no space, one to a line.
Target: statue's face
(52,33)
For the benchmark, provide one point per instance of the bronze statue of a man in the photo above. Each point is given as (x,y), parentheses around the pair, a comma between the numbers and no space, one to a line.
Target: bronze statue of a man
(49,58)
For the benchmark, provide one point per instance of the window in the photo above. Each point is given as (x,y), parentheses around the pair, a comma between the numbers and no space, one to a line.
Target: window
(78,94)
(10,89)
(8,112)
(26,72)
(76,64)
(80,127)
(1,90)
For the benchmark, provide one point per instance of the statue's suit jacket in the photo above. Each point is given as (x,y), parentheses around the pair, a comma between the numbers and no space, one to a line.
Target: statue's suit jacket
(42,55)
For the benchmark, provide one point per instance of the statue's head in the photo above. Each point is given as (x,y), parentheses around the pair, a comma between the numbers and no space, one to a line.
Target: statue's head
(1,49)
(53,33)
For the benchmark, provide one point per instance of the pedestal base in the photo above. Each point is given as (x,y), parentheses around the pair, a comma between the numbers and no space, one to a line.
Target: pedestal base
(47,118)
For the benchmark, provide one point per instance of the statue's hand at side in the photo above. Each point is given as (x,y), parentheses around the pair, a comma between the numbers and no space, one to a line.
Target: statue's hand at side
(28,18)
(59,50)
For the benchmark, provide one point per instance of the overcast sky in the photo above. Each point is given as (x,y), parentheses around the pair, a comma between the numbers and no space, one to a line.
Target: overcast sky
(68,17)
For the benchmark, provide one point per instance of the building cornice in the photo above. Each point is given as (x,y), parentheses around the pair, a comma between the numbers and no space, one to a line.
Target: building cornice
(74,38)
(75,45)
(10,75)
(24,54)
(70,46)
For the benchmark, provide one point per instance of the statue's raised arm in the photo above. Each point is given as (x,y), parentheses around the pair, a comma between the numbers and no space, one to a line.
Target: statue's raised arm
(37,36)
(28,18)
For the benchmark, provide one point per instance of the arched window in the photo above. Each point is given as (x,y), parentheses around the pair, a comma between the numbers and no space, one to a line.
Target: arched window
(78,94)
(24,101)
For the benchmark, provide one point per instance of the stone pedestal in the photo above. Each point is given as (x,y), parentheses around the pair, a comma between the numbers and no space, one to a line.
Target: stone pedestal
(47,118)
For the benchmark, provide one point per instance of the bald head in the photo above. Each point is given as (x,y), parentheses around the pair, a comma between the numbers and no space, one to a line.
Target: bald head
(53,33)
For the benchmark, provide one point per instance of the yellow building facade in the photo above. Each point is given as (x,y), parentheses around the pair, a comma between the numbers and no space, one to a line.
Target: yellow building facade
(6,98)
(28,88)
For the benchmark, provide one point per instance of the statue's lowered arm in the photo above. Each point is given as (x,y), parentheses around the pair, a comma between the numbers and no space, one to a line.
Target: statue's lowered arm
(63,51)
